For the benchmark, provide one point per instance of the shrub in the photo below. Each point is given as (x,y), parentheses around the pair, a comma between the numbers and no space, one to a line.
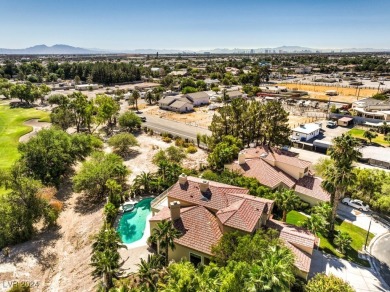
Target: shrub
(166,139)
(192,149)
(179,142)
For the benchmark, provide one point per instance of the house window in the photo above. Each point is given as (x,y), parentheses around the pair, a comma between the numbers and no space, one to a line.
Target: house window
(206,261)
(195,259)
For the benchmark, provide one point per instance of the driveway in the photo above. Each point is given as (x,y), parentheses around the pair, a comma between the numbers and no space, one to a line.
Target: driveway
(361,219)
(360,278)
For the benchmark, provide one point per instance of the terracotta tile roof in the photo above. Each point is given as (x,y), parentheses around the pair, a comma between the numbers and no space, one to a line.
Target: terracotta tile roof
(215,198)
(199,227)
(302,259)
(243,215)
(163,214)
(311,186)
(277,155)
(265,173)
(294,237)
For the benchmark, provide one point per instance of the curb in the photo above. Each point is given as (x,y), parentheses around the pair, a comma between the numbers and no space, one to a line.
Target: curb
(373,262)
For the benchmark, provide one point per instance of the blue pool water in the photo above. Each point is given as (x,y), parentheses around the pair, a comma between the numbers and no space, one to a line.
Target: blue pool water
(132,224)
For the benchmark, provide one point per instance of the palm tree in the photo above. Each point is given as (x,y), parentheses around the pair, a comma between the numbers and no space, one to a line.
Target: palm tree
(106,264)
(370,135)
(273,273)
(136,96)
(339,175)
(287,200)
(149,97)
(105,256)
(149,271)
(316,223)
(144,181)
(165,234)
(343,240)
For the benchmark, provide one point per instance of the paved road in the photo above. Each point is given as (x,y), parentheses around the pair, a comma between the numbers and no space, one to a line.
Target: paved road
(314,157)
(175,128)
(380,250)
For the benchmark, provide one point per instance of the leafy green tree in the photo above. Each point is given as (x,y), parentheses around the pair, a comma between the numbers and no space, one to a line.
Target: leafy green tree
(343,241)
(122,143)
(95,173)
(21,207)
(370,135)
(51,153)
(105,258)
(224,152)
(107,108)
(165,234)
(287,200)
(324,283)
(83,110)
(175,154)
(129,121)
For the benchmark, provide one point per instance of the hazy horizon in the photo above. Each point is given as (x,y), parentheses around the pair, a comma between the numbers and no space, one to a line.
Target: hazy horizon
(195,25)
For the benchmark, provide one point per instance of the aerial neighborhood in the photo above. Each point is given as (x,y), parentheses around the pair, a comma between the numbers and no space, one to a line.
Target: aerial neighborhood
(255,170)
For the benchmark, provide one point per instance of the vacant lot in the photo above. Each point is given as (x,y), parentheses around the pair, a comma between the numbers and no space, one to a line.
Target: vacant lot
(346,94)
(12,128)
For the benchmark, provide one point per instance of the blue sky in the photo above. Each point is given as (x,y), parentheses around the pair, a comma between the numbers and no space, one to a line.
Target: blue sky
(188,24)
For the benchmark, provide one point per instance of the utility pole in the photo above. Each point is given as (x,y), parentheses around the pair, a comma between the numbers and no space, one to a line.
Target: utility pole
(368,232)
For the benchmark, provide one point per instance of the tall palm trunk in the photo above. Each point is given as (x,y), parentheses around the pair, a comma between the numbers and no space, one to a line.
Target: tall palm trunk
(336,200)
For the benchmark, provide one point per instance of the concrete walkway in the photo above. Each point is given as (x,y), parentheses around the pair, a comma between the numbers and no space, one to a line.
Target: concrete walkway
(360,278)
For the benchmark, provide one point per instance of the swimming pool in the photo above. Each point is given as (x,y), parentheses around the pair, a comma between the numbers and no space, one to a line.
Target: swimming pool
(131,225)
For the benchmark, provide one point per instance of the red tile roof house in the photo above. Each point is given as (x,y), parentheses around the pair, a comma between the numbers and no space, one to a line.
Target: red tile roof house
(204,210)
(277,168)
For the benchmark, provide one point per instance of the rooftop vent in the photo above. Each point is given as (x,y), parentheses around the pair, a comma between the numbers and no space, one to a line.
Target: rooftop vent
(263,155)
(204,186)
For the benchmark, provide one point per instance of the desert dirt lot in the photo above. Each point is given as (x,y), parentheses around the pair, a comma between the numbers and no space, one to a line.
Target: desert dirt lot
(202,117)
(92,94)
(346,94)
(58,259)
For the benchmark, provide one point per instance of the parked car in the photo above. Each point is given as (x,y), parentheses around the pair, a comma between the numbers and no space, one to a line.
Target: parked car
(331,124)
(143,119)
(357,204)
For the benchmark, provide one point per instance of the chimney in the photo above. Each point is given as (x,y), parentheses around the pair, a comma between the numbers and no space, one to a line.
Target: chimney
(175,210)
(182,179)
(241,158)
(204,186)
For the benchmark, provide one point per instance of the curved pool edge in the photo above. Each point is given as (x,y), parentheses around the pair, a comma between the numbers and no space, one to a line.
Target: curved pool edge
(143,240)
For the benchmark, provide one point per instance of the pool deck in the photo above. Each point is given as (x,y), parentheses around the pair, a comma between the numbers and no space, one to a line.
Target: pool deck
(137,249)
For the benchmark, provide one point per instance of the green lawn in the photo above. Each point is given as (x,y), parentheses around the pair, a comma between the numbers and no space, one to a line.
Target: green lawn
(357,234)
(11,128)
(358,133)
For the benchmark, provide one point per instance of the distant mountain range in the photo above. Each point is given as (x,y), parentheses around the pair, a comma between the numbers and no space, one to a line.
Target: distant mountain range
(69,50)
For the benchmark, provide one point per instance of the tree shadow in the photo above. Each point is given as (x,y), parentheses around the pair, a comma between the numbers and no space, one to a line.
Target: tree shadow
(65,189)
(130,155)
(37,248)
(86,204)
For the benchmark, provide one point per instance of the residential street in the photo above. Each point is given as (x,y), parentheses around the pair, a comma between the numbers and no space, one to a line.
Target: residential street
(380,250)
(175,128)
